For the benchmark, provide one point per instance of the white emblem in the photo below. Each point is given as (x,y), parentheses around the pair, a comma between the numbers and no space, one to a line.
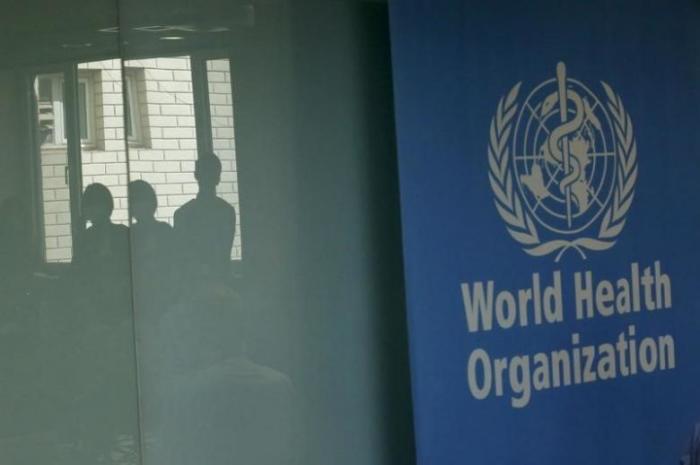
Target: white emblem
(562,166)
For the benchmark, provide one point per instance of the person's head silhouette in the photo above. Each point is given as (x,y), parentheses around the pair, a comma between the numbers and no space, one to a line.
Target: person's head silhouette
(97,204)
(207,172)
(143,201)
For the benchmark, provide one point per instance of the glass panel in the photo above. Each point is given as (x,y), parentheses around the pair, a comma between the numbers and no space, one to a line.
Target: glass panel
(83,89)
(53,160)
(68,389)
(223,138)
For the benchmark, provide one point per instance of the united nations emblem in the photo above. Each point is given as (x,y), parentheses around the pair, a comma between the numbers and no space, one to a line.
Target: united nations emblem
(562,166)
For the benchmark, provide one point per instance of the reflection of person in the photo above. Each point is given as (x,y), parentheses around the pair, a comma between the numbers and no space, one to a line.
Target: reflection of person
(205,225)
(151,248)
(151,239)
(104,246)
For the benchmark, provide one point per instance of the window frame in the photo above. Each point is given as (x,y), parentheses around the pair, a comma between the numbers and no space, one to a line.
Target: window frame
(58,87)
(132,110)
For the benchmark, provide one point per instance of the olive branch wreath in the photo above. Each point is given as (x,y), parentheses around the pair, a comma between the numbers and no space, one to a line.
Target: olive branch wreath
(519,223)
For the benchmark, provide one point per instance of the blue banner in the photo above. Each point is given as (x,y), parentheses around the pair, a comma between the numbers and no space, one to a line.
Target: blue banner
(549,164)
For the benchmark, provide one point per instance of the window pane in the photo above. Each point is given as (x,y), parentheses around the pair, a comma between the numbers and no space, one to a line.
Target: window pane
(53,161)
(47,130)
(83,110)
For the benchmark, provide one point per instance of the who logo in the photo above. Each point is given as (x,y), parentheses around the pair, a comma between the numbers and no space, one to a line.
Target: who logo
(562,166)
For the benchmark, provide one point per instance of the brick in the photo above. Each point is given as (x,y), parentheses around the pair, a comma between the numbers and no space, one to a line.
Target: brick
(142,166)
(164,143)
(218,65)
(107,180)
(173,63)
(152,178)
(216,76)
(117,191)
(180,177)
(54,183)
(220,88)
(113,122)
(163,121)
(224,133)
(94,168)
(114,145)
(185,121)
(179,133)
(106,157)
(188,144)
(161,98)
(62,194)
(180,154)
(174,86)
(63,218)
(177,110)
(159,73)
(50,219)
(166,166)
(178,200)
(113,98)
(115,168)
(168,189)
(222,110)
(217,100)
(182,76)
(145,154)
(57,230)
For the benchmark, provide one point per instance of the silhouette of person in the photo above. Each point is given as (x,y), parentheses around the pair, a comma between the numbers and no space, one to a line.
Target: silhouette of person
(102,254)
(151,240)
(205,225)
(103,300)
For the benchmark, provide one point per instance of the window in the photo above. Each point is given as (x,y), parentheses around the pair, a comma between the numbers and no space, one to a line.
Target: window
(50,90)
(132,112)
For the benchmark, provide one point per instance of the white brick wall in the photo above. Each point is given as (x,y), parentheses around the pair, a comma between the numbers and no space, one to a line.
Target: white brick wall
(165,153)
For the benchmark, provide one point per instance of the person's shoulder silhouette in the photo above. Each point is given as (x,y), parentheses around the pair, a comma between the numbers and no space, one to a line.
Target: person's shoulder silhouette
(104,246)
(151,239)
(205,226)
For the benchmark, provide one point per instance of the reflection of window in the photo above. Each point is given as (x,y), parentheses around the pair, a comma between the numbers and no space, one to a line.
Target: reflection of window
(132,114)
(52,116)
